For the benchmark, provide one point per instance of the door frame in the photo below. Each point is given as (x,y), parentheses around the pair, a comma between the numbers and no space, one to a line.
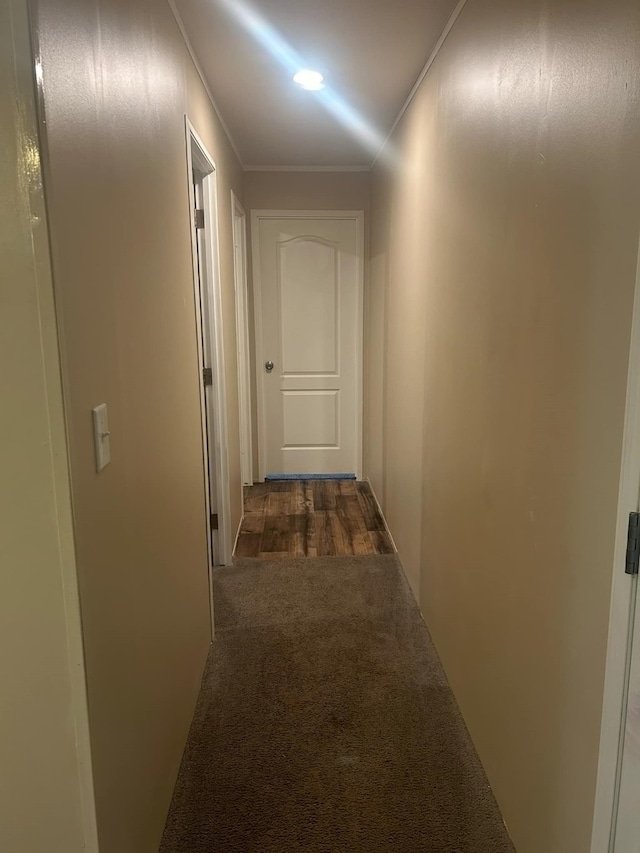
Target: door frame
(216,403)
(239,220)
(358,217)
(624,592)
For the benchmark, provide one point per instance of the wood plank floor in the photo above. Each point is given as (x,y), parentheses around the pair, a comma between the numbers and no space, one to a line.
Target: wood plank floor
(311,518)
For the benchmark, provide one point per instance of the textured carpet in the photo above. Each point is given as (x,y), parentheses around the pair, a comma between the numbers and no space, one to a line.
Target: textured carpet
(325,723)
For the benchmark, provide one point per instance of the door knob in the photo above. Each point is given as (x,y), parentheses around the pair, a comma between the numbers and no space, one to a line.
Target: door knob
(268,366)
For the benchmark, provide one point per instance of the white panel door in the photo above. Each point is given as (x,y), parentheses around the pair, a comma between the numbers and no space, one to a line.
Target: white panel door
(309,319)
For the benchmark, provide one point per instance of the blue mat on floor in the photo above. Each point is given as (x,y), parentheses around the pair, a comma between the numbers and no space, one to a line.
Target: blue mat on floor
(310,477)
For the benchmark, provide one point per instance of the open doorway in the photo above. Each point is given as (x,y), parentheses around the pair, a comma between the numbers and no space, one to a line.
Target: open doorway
(206,278)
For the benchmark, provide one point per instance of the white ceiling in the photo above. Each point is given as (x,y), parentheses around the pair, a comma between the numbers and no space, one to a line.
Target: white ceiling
(370,51)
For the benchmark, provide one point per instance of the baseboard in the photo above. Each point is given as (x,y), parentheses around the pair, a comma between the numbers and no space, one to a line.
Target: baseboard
(386,526)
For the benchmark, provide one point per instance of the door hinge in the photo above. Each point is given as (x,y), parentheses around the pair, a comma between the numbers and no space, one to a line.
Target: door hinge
(207,376)
(198,218)
(633,544)
(214,520)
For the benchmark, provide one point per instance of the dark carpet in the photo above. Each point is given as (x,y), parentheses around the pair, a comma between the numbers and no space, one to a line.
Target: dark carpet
(325,723)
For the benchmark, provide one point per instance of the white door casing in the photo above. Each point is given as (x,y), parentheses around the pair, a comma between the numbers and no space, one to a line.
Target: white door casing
(616,826)
(208,308)
(201,264)
(626,824)
(242,330)
(308,287)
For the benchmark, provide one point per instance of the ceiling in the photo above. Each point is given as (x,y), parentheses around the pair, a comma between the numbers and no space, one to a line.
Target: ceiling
(370,51)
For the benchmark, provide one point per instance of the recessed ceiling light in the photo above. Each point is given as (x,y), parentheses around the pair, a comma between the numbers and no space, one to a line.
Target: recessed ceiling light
(311,80)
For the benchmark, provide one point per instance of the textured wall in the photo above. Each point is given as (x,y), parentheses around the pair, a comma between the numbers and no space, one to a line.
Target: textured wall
(45,781)
(118,81)
(503,261)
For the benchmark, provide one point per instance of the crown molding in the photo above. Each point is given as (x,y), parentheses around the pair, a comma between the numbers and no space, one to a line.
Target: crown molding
(201,74)
(436,50)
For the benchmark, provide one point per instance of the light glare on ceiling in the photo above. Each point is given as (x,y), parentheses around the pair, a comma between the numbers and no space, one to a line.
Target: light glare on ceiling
(311,80)
(267,36)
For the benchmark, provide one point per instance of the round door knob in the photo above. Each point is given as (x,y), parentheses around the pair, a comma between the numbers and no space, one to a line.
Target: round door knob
(268,366)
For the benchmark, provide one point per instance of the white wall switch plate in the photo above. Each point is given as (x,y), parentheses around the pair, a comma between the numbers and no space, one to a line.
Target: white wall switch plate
(101,436)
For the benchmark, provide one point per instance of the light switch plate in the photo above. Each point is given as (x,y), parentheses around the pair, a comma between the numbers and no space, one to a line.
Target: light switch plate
(101,436)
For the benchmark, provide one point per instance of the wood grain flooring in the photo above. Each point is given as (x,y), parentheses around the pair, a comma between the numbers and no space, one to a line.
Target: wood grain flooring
(311,518)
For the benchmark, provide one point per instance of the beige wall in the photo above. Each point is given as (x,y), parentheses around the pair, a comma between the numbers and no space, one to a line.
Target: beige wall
(307,190)
(503,261)
(118,81)
(45,780)
(301,191)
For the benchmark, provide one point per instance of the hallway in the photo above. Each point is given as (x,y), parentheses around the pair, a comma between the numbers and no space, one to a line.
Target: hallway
(246,239)
(325,723)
